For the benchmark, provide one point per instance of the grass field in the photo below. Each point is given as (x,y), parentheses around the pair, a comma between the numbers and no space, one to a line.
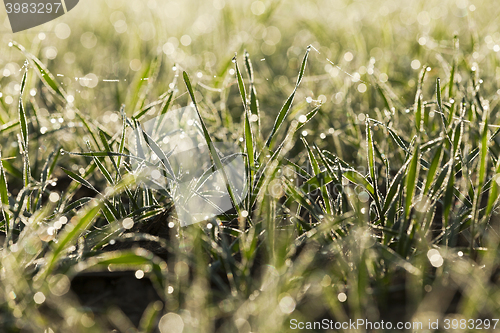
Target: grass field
(371,163)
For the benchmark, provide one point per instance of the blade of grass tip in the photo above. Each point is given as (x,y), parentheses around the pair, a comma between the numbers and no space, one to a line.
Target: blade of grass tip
(309,116)
(254,103)
(440,104)
(22,114)
(249,141)
(45,75)
(241,85)
(387,102)
(168,101)
(23,82)
(248,129)
(213,153)
(373,173)
(418,100)
(138,115)
(4,197)
(286,107)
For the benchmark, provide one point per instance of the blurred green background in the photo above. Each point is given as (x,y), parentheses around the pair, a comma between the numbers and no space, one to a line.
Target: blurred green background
(364,63)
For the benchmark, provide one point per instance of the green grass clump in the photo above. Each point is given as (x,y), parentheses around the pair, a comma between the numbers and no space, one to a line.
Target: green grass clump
(372,187)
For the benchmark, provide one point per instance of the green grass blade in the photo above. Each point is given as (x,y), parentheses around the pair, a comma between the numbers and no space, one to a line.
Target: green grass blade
(249,140)
(357,178)
(213,153)
(47,170)
(22,114)
(121,148)
(286,107)
(317,170)
(452,79)
(159,152)
(79,179)
(439,101)
(418,114)
(70,235)
(89,130)
(4,197)
(104,171)
(399,140)
(254,103)
(493,194)
(431,173)
(309,116)
(482,168)
(46,77)
(241,85)
(373,173)
(411,180)
(394,187)
(23,150)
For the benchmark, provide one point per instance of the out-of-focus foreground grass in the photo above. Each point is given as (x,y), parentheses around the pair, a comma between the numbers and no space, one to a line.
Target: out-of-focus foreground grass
(371,160)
